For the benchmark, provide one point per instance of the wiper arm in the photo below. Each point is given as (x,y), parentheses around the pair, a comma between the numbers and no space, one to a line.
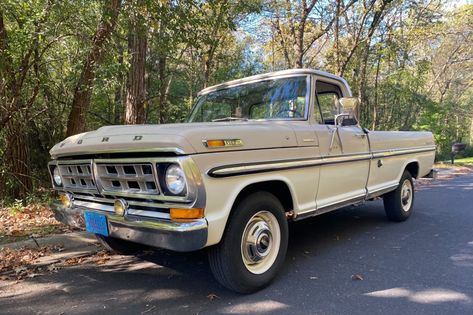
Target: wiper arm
(230,119)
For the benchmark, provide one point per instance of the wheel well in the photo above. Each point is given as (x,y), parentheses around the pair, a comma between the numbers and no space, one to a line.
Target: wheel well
(278,188)
(413,168)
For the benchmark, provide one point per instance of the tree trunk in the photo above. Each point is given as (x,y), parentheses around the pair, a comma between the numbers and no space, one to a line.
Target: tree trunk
(299,46)
(471,132)
(17,157)
(162,89)
(136,85)
(362,83)
(14,105)
(120,93)
(376,98)
(337,37)
(83,90)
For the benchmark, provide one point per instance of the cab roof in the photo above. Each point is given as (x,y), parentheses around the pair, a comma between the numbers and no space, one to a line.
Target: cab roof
(269,75)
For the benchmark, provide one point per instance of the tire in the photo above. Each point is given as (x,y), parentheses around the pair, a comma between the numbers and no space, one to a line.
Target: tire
(118,246)
(254,245)
(399,203)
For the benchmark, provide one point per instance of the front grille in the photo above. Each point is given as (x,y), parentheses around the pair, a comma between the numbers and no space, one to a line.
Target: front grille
(96,184)
(127,178)
(77,176)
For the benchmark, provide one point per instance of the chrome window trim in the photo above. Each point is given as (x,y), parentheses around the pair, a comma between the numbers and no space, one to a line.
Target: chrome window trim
(266,76)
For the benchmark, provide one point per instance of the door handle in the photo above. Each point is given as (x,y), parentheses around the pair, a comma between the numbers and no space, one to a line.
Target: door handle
(360,135)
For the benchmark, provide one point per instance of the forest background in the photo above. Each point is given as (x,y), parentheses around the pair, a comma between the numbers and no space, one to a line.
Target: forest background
(69,66)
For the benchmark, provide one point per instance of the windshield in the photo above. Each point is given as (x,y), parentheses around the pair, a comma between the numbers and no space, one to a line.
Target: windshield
(283,98)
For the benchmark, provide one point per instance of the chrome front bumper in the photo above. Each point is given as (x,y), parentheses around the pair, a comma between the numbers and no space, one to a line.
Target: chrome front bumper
(177,236)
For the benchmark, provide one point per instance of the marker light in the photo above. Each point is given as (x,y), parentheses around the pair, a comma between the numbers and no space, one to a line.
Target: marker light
(186,214)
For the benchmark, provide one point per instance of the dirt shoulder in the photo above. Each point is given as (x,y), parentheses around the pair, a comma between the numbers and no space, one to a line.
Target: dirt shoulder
(446,172)
(33,243)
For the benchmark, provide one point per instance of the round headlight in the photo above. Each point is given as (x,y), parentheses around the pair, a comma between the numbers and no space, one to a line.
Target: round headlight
(175,179)
(57,178)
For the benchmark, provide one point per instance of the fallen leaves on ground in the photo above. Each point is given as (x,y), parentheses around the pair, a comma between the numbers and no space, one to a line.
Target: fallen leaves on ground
(212,296)
(98,258)
(357,277)
(17,264)
(33,220)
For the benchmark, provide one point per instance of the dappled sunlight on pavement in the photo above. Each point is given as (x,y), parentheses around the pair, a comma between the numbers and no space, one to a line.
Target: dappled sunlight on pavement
(262,307)
(429,296)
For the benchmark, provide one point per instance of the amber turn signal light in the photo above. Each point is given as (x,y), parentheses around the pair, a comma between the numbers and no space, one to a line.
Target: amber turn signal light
(66,200)
(186,214)
(215,143)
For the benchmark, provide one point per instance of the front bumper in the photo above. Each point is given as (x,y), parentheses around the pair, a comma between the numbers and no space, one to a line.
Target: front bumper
(177,236)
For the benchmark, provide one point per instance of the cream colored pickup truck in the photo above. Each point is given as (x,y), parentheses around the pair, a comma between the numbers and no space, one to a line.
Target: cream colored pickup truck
(254,154)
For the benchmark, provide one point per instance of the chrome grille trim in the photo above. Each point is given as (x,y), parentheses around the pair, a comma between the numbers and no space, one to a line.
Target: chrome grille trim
(135,178)
(143,198)
(77,176)
(144,203)
(131,210)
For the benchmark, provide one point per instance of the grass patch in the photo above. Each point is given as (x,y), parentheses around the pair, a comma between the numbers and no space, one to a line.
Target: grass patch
(464,161)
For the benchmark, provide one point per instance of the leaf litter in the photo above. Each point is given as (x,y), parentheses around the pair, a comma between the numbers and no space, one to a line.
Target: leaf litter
(33,221)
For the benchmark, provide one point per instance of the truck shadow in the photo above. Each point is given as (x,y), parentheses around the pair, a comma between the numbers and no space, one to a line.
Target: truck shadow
(309,236)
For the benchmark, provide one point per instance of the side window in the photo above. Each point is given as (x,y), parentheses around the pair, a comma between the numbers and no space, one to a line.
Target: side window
(327,102)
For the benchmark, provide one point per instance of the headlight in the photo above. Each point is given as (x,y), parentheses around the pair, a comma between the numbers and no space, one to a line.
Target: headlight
(175,179)
(57,178)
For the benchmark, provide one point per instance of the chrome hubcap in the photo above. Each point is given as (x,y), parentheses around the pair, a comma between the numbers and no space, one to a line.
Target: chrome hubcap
(260,242)
(406,195)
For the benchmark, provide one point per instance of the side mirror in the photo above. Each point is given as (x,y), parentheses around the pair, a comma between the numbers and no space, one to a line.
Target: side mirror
(348,111)
(349,103)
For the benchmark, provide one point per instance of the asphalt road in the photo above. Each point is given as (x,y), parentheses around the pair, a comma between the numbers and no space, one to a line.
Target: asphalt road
(422,266)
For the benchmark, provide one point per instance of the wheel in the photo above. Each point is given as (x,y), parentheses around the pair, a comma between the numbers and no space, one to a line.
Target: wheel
(118,246)
(399,203)
(254,245)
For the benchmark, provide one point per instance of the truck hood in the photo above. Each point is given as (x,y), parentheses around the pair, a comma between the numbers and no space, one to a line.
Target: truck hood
(178,138)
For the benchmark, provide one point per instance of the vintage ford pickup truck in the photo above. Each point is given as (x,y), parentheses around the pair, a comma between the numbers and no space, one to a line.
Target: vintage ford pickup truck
(254,154)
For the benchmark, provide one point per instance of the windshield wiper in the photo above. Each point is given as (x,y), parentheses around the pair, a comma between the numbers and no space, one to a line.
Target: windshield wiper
(230,119)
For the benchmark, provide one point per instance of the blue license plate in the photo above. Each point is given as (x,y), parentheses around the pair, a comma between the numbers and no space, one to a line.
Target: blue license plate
(96,223)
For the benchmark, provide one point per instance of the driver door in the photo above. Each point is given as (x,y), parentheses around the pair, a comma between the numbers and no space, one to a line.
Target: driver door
(344,150)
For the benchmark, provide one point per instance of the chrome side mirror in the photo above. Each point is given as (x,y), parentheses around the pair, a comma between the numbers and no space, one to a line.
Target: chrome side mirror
(348,111)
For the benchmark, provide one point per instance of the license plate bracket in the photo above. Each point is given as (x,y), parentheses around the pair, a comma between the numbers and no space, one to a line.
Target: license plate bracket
(96,223)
